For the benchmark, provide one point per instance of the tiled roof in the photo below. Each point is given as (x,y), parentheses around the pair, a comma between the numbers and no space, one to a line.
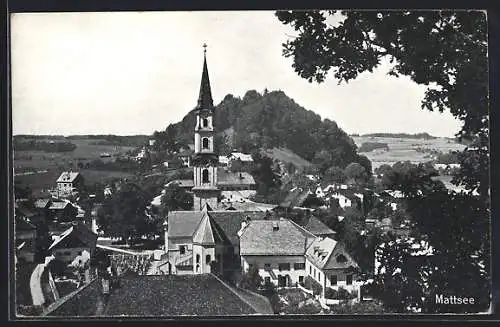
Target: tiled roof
(317,227)
(67,177)
(183,223)
(248,206)
(230,222)
(161,296)
(42,203)
(261,237)
(208,233)
(183,182)
(58,205)
(323,253)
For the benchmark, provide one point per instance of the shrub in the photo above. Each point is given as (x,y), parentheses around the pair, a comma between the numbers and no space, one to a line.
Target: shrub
(313,285)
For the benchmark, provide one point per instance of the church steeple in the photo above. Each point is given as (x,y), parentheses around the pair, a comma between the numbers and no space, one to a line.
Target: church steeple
(205,159)
(205,100)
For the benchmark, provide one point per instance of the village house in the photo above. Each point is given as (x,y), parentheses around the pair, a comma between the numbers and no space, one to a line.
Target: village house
(185,155)
(276,248)
(62,211)
(329,264)
(68,183)
(72,242)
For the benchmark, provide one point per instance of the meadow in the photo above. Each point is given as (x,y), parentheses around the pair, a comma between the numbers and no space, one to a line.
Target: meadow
(405,149)
(39,170)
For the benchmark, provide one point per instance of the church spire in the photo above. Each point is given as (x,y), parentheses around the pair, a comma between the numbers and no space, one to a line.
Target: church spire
(205,98)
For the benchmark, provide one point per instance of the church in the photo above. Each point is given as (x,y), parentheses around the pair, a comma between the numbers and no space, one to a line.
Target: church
(206,238)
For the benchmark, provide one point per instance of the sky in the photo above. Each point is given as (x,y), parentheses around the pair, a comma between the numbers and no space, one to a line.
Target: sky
(130,73)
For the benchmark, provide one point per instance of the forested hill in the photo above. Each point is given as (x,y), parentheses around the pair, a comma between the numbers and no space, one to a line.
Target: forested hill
(273,120)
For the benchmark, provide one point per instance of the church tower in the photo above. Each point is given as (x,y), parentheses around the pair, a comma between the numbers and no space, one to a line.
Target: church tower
(205,159)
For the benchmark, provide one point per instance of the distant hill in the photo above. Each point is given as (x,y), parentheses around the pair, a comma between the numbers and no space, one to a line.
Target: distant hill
(425,136)
(99,139)
(272,121)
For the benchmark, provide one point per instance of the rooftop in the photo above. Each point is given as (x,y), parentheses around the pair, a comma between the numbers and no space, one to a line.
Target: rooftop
(169,295)
(68,177)
(326,253)
(274,237)
(315,226)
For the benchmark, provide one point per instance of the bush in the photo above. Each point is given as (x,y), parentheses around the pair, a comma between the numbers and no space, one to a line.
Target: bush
(313,285)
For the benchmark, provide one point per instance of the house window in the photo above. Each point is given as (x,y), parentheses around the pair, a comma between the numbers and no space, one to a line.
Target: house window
(205,176)
(310,270)
(208,259)
(299,266)
(348,279)
(197,258)
(267,280)
(333,279)
(205,143)
(205,122)
(182,249)
(301,279)
(319,277)
(283,266)
(267,266)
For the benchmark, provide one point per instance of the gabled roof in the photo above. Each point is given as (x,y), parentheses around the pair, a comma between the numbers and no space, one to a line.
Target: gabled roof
(317,227)
(163,296)
(42,203)
(325,252)
(78,231)
(183,182)
(208,233)
(241,156)
(183,223)
(67,177)
(274,237)
(59,205)
(247,206)
(230,222)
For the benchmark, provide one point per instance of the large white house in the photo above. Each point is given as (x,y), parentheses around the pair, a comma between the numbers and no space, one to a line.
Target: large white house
(276,248)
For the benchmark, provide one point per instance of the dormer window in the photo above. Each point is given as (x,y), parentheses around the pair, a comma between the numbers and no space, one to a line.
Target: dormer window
(341,258)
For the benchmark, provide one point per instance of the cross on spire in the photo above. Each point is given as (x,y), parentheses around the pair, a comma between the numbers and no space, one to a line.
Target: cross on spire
(205,48)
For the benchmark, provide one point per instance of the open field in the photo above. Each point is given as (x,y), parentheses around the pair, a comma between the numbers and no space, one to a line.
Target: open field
(85,152)
(403,149)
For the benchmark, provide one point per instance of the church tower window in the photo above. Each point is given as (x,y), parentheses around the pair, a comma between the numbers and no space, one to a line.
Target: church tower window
(205,143)
(208,259)
(205,176)
(197,258)
(205,122)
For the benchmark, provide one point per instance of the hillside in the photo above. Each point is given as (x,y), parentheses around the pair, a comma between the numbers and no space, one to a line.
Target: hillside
(274,121)
(287,156)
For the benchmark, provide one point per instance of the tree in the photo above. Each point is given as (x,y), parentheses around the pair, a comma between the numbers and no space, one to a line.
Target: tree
(356,173)
(444,50)
(334,174)
(175,198)
(125,215)
(251,279)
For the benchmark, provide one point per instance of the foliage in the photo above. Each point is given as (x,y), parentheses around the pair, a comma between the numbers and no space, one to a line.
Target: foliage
(33,145)
(452,157)
(57,267)
(273,120)
(176,198)
(356,173)
(334,174)
(270,292)
(340,294)
(251,279)
(124,213)
(410,178)
(311,284)
(267,179)
(370,146)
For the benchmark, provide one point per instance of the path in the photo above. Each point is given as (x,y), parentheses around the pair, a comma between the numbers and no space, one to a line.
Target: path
(36,285)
